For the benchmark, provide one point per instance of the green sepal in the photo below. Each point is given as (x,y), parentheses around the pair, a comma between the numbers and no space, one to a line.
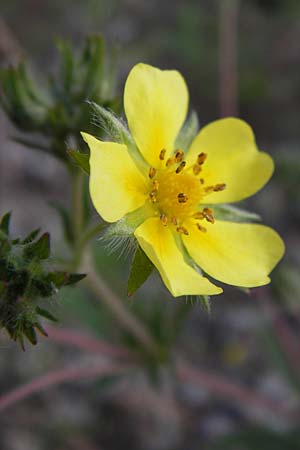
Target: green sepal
(39,249)
(112,125)
(80,160)
(233,214)
(141,268)
(205,302)
(188,132)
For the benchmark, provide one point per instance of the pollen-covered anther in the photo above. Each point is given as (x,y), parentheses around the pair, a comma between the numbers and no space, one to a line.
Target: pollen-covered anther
(164,219)
(199,215)
(162,154)
(152,172)
(182,198)
(201,158)
(215,188)
(174,220)
(179,155)
(170,161)
(153,197)
(182,230)
(155,185)
(209,215)
(196,169)
(180,167)
(201,228)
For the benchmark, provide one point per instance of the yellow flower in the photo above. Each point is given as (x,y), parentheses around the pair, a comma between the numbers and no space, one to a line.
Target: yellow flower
(176,189)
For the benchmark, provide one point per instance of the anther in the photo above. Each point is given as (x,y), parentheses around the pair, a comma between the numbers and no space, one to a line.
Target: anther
(179,155)
(152,172)
(209,215)
(201,180)
(180,167)
(200,228)
(198,215)
(182,230)
(201,158)
(197,169)
(164,219)
(155,185)
(162,154)
(152,196)
(182,198)
(174,220)
(170,161)
(215,188)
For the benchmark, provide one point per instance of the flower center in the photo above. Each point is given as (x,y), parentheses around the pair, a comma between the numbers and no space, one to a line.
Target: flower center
(177,190)
(178,195)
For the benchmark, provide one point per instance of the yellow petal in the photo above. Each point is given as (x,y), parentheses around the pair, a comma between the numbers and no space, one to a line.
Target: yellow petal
(116,185)
(239,254)
(155,103)
(232,158)
(159,244)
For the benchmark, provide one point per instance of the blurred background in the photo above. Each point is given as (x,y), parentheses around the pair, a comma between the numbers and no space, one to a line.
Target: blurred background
(239,58)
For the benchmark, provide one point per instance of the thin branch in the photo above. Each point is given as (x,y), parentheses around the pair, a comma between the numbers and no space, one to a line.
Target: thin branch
(57,377)
(218,385)
(126,319)
(87,343)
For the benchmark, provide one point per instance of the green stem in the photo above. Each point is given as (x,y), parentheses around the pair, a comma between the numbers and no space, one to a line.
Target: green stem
(77,203)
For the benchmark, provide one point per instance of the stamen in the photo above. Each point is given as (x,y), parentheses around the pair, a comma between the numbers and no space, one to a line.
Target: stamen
(152,196)
(174,220)
(197,169)
(182,230)
(170,161)
(162,154)
(215,188)
(201,158)
(181,167)
(200,228)
(182,198)
(164,219)
(179,155)
(209,215)
(201,180)
(155,185)
(152,172)
(198,215)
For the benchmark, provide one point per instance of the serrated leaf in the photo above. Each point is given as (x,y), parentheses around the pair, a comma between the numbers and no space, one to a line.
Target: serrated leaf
(73,278)
(4,224)
(80,159)
(46,314)
(39,249)
(188,132)
(141,269)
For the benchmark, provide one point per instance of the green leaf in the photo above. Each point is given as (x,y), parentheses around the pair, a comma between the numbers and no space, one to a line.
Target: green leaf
(31,236)
(140,270)
(80,159)
(188,132)
(4,224)
(39,249)
(30,334)
(44,313)
(93,61)
(73,278)
(66,65)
